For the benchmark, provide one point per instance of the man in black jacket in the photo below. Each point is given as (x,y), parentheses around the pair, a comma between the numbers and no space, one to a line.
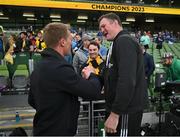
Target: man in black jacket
(55,86)
(148,65)
(125,92)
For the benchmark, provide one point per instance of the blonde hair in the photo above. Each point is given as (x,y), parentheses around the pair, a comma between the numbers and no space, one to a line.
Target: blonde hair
(53,32)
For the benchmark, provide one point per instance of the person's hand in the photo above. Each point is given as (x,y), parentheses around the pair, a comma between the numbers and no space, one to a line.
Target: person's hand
(87,71)
(111,123)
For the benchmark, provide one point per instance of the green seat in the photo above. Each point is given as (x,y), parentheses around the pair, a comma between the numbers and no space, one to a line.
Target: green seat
(4,70)
(22,58)
(21,73)
(22,67)
(21,77)
(36,58)
(3,67)
(4,73)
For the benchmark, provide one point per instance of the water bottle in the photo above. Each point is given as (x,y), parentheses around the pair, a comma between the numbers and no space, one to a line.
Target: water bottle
(17,117)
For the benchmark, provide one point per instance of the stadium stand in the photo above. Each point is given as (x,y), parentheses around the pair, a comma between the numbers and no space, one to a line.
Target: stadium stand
(36,58)
(21,77)
(4,76)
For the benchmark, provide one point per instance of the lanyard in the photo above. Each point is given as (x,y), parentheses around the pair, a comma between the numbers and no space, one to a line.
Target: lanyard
(109,56)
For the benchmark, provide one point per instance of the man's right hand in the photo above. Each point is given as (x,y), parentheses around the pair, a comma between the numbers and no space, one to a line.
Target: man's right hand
(112,123)
(87,71)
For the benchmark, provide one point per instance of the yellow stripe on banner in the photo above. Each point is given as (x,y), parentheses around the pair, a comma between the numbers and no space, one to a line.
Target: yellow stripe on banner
(91,6)
(13,116)
(15,126)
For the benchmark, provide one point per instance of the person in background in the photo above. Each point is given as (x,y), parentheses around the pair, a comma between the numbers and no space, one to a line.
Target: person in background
(55,86)
(148,64)
(149,67)
(103,50)
(80,32)
(94,59)
(78,44)
(23,44)
(172,65)
(159,41)
(145,40)
(149,34)
(2,49)
(40,44)
(138,36)
(74,41)
(81,55)
(97,63)
(32,39)
(11,44)
(69,57)
(1,46)
(9,49)
(124,79)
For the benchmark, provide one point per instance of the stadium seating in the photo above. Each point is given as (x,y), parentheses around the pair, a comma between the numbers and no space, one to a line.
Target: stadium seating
(21,77)
(4,76)
(36,58)
(22,58)
(19,58)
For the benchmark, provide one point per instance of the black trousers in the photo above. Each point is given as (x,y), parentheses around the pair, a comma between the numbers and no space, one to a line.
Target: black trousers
(158,46)
(134,124)
(146,46)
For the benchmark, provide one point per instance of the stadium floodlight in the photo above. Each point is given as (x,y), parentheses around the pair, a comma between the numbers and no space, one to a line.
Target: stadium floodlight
(1,13)
(58,16)
(81,21)
(131,19)
(4,18)
(32,19)
(149,20)
(156,1)
(82,17)
(128,1)
(28,14)
(125,23)
(56,20)
(141,1)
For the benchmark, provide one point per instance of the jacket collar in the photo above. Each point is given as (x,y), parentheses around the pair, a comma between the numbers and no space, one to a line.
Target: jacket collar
(120,33)
(173,62)
(49,52)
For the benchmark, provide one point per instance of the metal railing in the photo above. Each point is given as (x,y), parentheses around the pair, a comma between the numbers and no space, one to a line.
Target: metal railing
(91,118)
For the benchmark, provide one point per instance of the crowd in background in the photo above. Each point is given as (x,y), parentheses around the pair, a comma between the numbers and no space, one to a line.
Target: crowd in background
(29,41)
